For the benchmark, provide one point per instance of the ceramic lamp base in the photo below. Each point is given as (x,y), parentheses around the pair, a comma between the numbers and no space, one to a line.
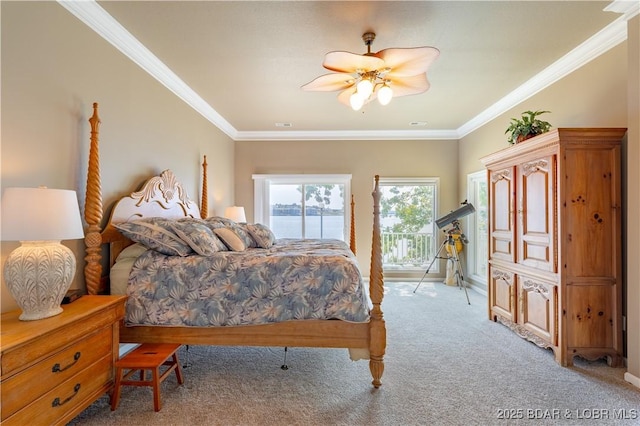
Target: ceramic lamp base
(38,275)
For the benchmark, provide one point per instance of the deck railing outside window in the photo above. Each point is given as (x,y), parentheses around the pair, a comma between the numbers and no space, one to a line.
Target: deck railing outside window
(405,251)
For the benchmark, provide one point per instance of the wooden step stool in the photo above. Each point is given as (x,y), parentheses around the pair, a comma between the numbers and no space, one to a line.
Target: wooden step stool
(148,356)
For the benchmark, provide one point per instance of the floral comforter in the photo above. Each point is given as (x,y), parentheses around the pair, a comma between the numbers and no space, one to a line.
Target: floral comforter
(292,280)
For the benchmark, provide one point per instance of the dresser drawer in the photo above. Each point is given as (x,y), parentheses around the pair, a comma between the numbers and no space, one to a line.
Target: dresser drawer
(68,396)
(19,389)
(23,356)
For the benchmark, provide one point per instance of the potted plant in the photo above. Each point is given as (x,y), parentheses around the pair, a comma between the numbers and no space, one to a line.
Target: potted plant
(526,127)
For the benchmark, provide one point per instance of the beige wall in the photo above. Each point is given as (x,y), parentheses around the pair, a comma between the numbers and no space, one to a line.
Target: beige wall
(53,69)
(593,96)
(362,159)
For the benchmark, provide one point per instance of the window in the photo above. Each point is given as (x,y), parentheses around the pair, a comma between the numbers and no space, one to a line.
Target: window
(303,206)
(477,226)
(407,208)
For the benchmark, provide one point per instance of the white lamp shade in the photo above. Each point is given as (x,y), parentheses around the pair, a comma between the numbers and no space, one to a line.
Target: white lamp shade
(235,213)
(40,214)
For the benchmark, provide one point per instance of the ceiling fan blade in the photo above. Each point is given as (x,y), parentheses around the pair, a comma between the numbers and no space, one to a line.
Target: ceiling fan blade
(406,62)
(330,82)
(412,85)
(351,62)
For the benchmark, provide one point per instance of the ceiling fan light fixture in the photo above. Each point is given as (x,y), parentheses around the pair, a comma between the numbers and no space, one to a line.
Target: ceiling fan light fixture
(359,76)
(385,93)
(356,101)
(365,88)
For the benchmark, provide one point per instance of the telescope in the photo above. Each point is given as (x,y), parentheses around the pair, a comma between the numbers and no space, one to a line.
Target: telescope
(466,209)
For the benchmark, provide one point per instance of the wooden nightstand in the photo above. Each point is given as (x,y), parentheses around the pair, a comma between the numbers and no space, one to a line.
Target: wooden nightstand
(54,368)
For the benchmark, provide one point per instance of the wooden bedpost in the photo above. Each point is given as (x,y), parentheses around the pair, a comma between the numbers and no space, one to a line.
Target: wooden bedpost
(378,331)
(93,212)
(352,236)
(204,199)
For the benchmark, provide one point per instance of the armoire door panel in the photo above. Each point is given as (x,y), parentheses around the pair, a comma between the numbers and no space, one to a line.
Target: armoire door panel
(536,189)
(538,310)
(591,214)
(502,293)
(591,316)
(501,223)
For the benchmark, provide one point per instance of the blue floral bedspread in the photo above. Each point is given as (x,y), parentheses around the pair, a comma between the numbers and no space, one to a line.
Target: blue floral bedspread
(292,280)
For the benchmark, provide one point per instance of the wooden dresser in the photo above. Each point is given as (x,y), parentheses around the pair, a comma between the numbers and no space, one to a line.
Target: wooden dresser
(555,242)
(54,368)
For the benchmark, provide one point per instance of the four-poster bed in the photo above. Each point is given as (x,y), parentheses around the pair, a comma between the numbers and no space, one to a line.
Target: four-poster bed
(163,196)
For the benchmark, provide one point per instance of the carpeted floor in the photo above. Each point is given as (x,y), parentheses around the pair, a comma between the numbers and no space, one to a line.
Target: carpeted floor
(446,364)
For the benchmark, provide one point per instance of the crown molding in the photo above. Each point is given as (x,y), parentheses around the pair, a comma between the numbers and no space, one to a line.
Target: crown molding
(604,40)
(347,135)
(96,18)
(628,8)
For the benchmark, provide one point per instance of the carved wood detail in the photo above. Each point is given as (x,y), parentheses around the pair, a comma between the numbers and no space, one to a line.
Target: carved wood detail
(524,333)
(166,185)
(528,284)
(352,234)
(505,276)
(204,199)
(93,212)
(376,290)
(535,166)
(500,175)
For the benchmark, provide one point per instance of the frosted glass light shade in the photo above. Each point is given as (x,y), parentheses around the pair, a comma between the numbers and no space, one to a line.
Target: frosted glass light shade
(356,101)
(235,213)
(365,88)
(384,95)
(40,271)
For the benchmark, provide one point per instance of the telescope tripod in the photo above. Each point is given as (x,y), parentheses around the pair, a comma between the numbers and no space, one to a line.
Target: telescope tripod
(453,257)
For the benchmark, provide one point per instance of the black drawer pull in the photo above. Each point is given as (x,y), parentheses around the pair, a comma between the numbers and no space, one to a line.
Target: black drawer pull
(56,402)
(56,368)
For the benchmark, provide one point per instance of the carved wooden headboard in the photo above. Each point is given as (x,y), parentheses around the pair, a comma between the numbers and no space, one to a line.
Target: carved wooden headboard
(159,196)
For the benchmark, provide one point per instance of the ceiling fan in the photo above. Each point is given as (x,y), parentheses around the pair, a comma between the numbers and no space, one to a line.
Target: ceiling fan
(383,75)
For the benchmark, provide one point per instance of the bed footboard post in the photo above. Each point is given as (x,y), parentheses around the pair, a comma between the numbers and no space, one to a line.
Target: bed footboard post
(93,212)
(378,331)
(204,199)
(352,235)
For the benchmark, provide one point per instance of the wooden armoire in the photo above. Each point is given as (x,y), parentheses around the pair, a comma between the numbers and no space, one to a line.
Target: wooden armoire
(555,242)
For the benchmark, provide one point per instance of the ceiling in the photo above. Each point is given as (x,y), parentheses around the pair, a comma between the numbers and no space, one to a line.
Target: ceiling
(241,63)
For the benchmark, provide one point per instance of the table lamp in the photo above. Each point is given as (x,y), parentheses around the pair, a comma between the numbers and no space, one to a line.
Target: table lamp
(40,271)
(235,213)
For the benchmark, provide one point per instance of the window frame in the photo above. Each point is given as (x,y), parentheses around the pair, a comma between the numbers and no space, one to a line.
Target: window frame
(473,179)
(262,183)
(415,181)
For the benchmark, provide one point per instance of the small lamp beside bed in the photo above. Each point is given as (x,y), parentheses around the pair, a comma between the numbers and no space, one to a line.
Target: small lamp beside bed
(40,271)
(236,214)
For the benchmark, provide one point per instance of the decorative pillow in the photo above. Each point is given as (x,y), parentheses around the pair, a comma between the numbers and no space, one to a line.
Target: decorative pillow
(131,252)
(155,233)
(230,239)
(219,222)
(198,235)
(242,232)
(263,236)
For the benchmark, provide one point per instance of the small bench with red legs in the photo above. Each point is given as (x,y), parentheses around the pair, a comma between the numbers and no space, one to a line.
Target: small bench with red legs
(148,356)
